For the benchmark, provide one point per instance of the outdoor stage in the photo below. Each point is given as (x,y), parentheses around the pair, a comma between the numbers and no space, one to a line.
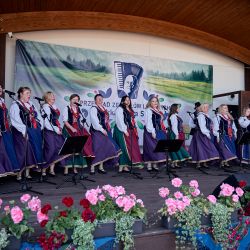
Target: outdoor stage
(154,237)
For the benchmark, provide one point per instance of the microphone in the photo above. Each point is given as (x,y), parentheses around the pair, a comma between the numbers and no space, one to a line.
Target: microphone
(38,99)
(77,104)
(10,93)
(215,111)
(189,112)
(164,107)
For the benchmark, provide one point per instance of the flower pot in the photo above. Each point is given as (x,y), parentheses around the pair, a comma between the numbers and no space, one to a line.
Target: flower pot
(206,220)
(138,227)
(168,222)
(14,243)
(69,233)
(104,230)
(108,229)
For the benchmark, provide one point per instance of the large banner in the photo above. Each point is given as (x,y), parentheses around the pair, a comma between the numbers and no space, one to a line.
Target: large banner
(67,70)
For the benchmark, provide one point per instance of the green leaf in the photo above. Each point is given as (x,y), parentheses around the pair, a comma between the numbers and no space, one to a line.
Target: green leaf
(140,125)
(90,95)
(66,98)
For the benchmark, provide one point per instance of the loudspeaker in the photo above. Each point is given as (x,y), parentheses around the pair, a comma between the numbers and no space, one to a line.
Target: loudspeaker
(232,180)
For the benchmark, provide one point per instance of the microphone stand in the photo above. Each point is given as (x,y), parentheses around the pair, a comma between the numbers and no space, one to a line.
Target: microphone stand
(24,181)
(82,177)
(44,116)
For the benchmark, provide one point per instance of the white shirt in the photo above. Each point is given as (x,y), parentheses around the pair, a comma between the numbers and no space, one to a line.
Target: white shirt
(94,119)
(1,100)
(148,121)
(216,122)
(174,125)
(202,124)
(244,122)
(47,124)
(191,122)
(16,120)
(119,120)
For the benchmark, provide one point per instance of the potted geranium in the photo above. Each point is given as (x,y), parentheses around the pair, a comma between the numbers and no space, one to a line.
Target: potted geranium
(186,206)
(117,213)
(221,210)
(63,220)
(15,218)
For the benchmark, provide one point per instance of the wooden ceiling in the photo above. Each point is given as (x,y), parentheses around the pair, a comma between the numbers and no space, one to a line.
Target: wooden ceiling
(219,25)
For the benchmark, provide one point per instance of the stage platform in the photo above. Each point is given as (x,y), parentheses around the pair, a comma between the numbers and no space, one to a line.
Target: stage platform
(155,237)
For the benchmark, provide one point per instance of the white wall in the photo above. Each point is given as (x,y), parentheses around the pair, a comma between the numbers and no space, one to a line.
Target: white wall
(228,73)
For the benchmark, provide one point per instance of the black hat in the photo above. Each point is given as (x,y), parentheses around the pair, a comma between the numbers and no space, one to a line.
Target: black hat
(196,105)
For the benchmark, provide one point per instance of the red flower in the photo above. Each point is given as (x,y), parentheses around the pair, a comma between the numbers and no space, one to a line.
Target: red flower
(88,215)
(63,214)
(43,223)
(68,201)
(85,203)
(242,184)
(45,209)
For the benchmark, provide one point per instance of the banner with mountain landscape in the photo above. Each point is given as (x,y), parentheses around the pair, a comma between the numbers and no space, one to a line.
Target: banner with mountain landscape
(66,70)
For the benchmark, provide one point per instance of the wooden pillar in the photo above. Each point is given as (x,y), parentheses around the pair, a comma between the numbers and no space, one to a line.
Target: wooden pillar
(2,58)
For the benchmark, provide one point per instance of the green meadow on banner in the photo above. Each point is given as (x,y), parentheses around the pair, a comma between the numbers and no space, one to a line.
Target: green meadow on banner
(66,70)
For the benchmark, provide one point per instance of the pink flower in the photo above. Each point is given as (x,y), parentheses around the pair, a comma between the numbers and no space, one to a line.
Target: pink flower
(34,204)
(132,196)
(139,201)
(41,217)
(16,214)
(212,199)
(7,209)
(196,192)
(178,195)
(107,187)
(194,184)
(1,202)
(102,197)
(92,196)
(186,200)
(235,198)
(169,201)
(119,201)
(163,192)
(226,190)
(176,182)
(120,190)
(239,191)
(24,198)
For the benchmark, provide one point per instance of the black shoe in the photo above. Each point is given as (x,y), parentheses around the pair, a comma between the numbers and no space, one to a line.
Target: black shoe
(149,170)
(102,171)
(92,173)
(155,169)
(126,171)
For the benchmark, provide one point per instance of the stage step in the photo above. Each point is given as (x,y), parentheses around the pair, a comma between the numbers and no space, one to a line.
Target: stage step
(155,239)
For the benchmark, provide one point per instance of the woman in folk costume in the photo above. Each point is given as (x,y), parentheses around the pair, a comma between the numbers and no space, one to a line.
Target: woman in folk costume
(8,159)
(244,122)
(176,132)
(53,139)
(125,135)
(74,126)
(225,132)
(104,147)
(202,148)
(26,130)
(154,130)
(193,118)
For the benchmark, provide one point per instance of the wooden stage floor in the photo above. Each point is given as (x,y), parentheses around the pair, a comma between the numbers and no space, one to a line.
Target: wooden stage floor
(146,189)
